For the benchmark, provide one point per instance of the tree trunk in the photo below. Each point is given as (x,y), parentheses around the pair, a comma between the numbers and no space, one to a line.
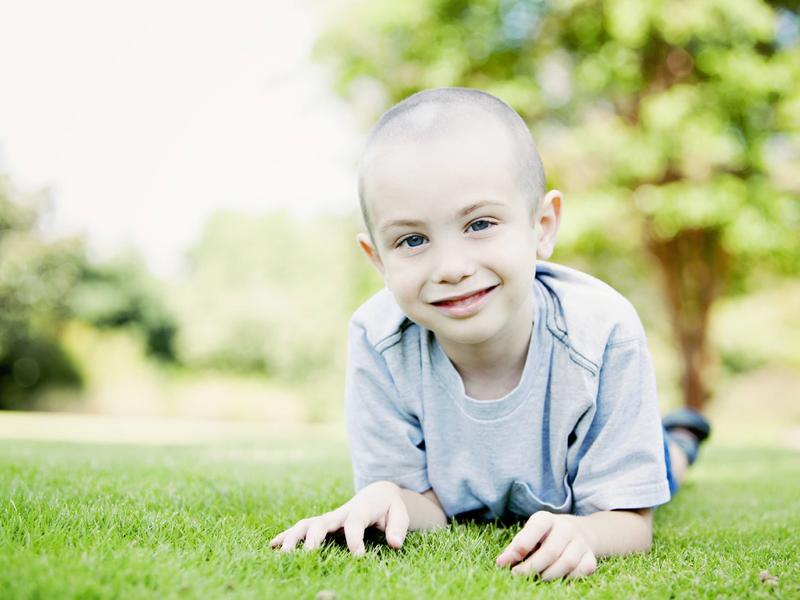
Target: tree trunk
(693,269)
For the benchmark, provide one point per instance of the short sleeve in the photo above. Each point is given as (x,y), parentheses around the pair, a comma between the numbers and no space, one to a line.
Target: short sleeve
(620,463)
(386,441)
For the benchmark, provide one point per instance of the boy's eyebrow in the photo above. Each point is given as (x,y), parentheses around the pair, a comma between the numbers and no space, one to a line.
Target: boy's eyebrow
(400,223)
(462,213)
(477,205)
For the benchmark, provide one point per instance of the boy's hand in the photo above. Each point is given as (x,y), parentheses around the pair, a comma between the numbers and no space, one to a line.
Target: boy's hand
(379,505)
(563,549)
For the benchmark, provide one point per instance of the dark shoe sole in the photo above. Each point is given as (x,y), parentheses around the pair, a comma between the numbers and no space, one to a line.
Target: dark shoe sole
(689,419)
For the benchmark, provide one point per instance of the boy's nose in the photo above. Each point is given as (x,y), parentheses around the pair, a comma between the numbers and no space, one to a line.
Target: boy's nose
(452,267)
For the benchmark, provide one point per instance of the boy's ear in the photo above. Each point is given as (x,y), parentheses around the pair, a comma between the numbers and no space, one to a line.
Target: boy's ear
(365,243)
(548,223)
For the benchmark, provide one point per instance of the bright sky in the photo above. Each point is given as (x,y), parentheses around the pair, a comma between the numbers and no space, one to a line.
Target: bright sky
(146,117)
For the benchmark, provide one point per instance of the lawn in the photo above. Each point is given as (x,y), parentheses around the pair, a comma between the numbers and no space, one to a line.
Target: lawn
(189,515)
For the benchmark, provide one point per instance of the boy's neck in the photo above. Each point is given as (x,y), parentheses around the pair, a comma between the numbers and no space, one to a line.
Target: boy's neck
(492,369)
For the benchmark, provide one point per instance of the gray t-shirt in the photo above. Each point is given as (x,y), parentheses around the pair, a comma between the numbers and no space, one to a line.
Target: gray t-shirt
(580,433)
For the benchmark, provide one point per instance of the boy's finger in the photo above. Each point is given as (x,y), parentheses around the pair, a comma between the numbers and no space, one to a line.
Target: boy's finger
(396,523)
(294,535)
(548,553)
(278,539)
(568,561)
(316,533)
(354,527)
(525,541)
(318,530)
(586,566)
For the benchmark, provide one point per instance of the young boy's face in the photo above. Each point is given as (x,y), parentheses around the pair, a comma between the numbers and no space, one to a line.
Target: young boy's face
(454,234)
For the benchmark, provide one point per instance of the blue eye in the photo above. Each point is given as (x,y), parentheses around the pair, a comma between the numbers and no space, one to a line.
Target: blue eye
(412,241)
(479,225)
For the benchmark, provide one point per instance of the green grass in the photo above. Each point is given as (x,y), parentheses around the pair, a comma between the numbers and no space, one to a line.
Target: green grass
(101,520)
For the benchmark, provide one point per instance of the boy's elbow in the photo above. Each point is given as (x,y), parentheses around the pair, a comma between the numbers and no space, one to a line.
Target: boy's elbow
(647,542)
(638,531)
(646,531)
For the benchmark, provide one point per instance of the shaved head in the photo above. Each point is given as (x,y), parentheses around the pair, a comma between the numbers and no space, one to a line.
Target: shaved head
(432,114)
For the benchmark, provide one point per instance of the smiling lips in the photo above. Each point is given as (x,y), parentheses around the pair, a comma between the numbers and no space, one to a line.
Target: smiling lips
(466,305)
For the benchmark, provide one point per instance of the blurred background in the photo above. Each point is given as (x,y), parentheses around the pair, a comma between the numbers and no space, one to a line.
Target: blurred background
(178,202)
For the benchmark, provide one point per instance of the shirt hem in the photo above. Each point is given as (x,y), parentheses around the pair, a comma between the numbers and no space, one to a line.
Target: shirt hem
(638,497)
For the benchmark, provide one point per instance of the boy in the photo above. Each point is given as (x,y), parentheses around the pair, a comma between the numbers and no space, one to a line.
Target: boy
(480,382)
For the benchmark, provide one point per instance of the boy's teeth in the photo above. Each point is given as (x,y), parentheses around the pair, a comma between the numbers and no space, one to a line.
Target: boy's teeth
(466,299)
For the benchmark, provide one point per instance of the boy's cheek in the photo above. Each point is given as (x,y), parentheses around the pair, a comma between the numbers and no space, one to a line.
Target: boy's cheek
(401,288)
(402,280)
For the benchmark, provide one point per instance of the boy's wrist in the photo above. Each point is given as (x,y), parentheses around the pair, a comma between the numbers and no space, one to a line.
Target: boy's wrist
(424,512)
(616,532)
(584,525)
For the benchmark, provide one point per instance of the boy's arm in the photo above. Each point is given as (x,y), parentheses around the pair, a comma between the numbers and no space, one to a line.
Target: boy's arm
(424,510)
(614,532)
(555,546)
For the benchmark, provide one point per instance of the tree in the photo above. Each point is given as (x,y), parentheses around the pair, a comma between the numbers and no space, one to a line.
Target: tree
(674,126)
(35,278)
(121,293)
(46,283)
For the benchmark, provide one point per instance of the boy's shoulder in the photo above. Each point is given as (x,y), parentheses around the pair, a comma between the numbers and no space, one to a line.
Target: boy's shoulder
(381,319)
(585,312)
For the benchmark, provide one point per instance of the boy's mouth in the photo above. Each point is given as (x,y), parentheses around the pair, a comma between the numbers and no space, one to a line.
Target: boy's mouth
(465,304)
(462,297)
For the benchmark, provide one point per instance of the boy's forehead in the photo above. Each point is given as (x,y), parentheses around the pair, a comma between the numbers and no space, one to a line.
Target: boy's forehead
(415,179)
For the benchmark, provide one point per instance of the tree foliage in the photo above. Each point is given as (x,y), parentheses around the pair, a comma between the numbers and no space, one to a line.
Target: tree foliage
(35,278)
(121,293)
(672,126)
(45,283)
